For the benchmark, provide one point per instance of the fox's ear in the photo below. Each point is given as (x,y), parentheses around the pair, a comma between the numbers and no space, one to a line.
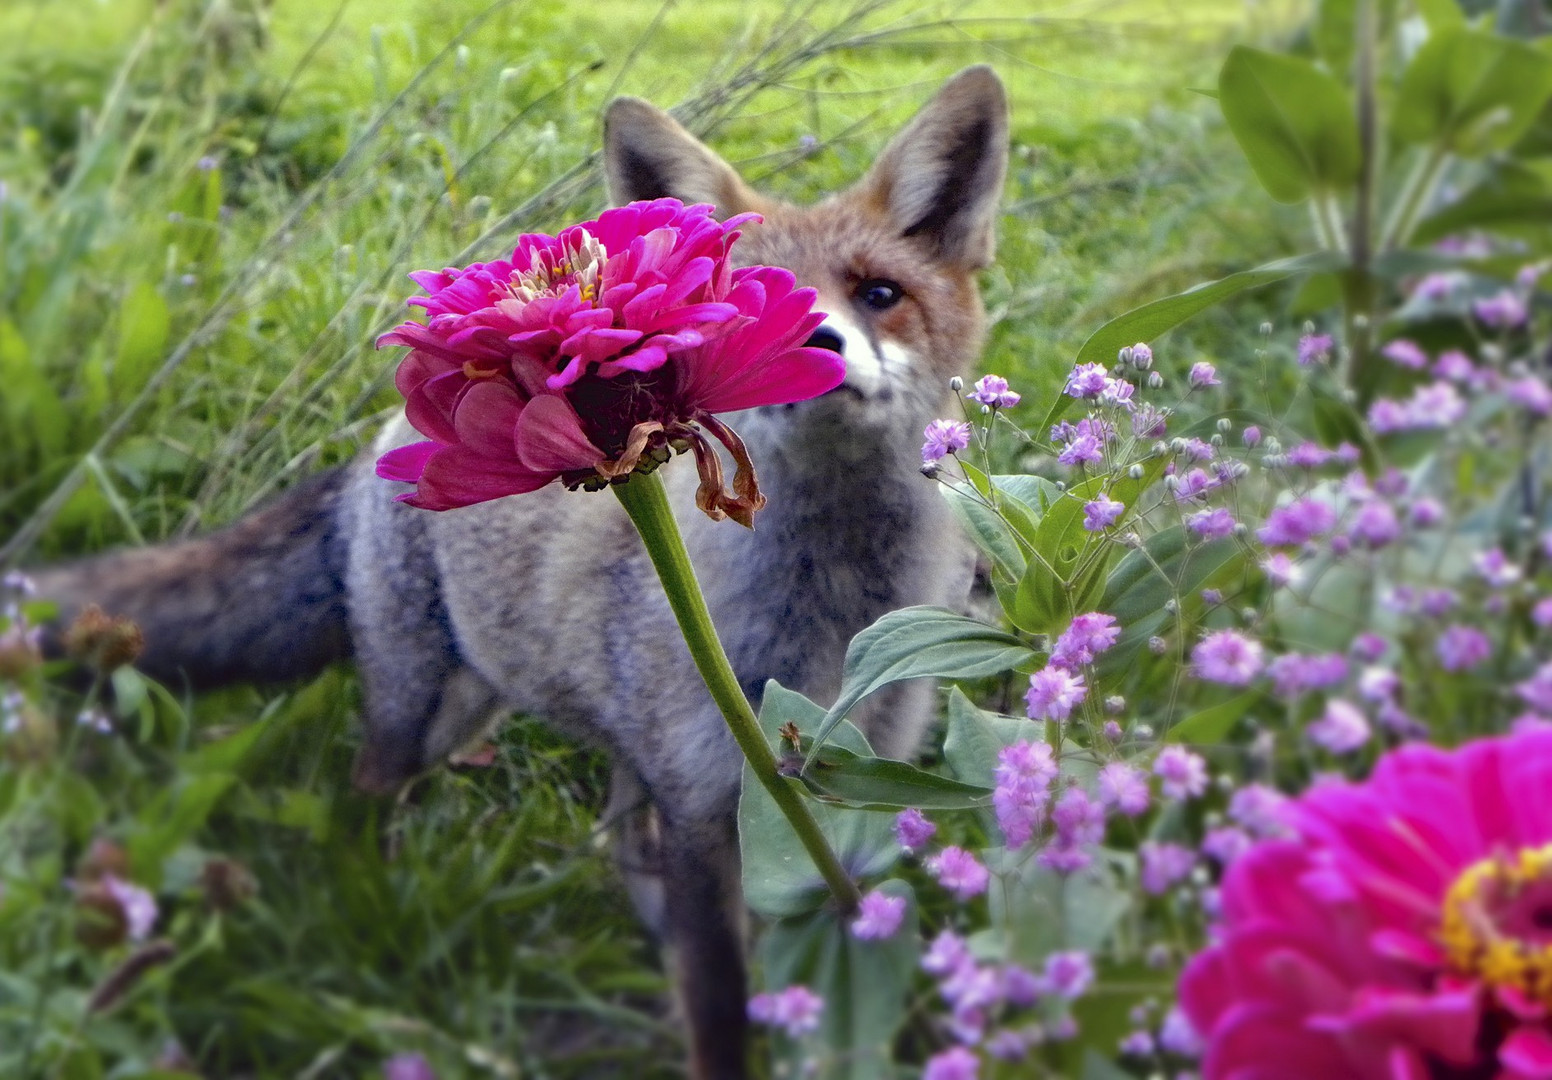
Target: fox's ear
(649,155)
(941,177)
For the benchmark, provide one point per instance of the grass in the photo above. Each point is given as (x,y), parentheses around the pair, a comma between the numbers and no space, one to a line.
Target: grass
(178,341)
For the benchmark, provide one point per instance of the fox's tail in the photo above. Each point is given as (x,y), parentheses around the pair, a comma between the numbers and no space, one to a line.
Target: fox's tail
(262,600)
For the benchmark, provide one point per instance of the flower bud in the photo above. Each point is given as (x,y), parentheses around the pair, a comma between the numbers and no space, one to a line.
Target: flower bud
(1155,380)
(929,469)
(956,384)
(1266,328)
(1157,645)
(1114,704)
(1225,425)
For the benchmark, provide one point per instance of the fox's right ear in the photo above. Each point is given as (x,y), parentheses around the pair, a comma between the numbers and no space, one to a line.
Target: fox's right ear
(649,155)
(940,178)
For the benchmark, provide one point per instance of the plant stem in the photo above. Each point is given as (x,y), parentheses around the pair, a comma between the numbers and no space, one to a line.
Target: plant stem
(646,501)
(1358,298)
(1415,195)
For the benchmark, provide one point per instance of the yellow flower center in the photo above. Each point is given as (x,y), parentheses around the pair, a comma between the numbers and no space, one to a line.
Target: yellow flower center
(549,274)
(1496,922)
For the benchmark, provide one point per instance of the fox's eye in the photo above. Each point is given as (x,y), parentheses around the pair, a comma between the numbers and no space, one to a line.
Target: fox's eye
(880,293)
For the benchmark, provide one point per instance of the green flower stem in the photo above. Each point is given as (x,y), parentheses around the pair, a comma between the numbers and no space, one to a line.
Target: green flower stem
(646,501)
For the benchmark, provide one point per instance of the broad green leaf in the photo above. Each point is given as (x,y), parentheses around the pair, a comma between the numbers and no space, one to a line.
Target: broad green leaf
(35,421)
(1211,726)
(986,529)
(917,643)
(1512,196)
(144,324)
(1152,319)
(1471,92)
(779,878)
(975,737)
(1293,121)
(1068,576)
(864,782)
(1046,911)
(1165,567)
(865,986)
(172,818)
(1441,15)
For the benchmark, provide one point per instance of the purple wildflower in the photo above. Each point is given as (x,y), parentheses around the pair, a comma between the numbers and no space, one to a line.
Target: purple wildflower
(1536,691)
(1212,524)
(1085,638)
(1496,568)
(913,830)
(1226,843)
(1251,435)
(1204,375)
(878,916)
(794,1010)
(1023,780)
(1455,366)
(1308,455)
(955,1063)
(137,905)
(1314,349)
(1461,648)
(1082,450)
(408,1067)
(1080,824)
(947,954)
(1086,380)
(992,390)
(1426,512)
(1531,393)
(1101,513)
(1177,1036)
(944,437)
(1123,788)
(1280,570)
(1182,774)
(1504,310)
(1163,865)
(1053,694)
(960,872)
(1369,646)
(1341,729)
(1297,523)
(1541,614)
(1405,353)
(1227,656)
(1374,525)
(1295,673)
(1068,974)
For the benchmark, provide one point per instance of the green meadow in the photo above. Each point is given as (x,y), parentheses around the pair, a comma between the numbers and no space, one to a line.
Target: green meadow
(209,208)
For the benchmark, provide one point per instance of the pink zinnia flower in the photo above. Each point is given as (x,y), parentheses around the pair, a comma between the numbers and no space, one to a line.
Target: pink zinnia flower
(1399,932)
(585,355)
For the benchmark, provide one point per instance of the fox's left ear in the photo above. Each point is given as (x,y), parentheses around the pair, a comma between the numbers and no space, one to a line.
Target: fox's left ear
(649,155)
(941,177)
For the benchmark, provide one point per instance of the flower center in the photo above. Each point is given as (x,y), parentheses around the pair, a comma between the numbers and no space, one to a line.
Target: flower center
(551,271)
(1496,922)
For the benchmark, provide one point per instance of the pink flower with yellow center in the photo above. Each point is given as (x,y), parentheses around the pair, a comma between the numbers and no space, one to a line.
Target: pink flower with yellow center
(1402,930)
(591,354)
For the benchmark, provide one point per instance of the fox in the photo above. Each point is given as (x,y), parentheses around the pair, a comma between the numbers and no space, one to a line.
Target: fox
(546,602)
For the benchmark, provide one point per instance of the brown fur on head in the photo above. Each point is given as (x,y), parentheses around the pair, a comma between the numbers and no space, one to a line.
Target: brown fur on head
(922,218)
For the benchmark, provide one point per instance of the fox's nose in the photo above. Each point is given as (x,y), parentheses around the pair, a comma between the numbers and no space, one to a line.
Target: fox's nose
(826,338)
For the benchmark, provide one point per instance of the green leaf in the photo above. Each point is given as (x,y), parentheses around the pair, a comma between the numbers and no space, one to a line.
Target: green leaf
(1165,567)
(875,783)
(1509,198)
(1152,319)
(1212,726)
(172,818)
(986,529)
(779,878)
(975,737)
(1069,577)
(1045,911)
(1471,92)
(1293,121)
(917,643)
(1441,15)
(865,986)
(144,324)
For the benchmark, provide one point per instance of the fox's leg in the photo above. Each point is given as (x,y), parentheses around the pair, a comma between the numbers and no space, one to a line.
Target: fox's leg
(703,911)
(422,701)
(675,792)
